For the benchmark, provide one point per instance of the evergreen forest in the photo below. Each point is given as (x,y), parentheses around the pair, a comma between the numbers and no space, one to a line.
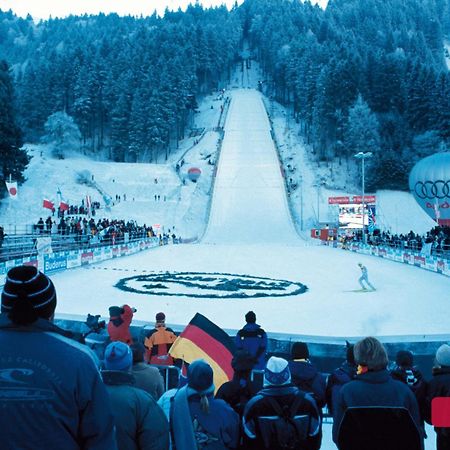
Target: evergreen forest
(361,75)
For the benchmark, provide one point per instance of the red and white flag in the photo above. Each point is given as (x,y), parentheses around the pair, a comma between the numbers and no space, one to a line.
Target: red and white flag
(63,206)
(12,189)
(48,204)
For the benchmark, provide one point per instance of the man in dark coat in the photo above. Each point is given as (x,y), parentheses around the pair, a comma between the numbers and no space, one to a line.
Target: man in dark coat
(407,373)
(373,387)
(277,401)
(439,386)
(339,377)
(253,339)
(240,389)
(305,374)
(140,422)
(51,393)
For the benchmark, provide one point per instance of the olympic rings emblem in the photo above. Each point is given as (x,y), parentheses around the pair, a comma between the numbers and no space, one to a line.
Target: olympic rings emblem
(432,189)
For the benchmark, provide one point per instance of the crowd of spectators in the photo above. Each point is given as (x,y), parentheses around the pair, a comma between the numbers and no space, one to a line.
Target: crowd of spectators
(437,240)
(125,405)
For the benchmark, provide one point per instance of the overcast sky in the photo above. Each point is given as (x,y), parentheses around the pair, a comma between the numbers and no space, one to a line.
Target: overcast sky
(42,9)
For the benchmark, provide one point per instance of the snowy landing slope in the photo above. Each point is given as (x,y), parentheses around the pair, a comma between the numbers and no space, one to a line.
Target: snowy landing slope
(249,203)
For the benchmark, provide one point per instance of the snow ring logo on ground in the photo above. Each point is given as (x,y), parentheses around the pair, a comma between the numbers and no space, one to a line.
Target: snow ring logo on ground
(209,285)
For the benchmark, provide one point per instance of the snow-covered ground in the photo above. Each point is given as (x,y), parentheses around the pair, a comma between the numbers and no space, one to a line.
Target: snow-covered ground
(238,242)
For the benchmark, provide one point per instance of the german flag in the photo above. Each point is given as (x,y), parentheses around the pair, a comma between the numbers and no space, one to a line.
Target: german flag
(203,339)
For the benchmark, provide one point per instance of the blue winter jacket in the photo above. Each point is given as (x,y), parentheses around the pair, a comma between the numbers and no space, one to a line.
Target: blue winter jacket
(51,393)
(253,339)
(307,378)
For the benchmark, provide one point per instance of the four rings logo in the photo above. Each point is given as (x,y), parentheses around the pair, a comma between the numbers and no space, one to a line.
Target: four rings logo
(432,189)
(209,285)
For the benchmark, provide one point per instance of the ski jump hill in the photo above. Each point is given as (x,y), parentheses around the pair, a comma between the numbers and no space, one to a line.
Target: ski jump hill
(249,203)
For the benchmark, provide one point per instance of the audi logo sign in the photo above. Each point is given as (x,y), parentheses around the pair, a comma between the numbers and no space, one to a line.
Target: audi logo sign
(439,189)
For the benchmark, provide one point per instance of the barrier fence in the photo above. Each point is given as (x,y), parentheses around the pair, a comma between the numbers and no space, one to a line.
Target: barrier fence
(431,262)
(57,261)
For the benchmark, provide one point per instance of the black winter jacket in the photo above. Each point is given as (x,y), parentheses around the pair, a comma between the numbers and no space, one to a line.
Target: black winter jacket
(374,389)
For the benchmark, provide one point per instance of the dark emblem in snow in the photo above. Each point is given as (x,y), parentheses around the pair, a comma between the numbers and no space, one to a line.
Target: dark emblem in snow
(209,285)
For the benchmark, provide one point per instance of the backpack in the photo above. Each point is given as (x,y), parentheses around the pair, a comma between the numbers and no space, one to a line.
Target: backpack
(206,440)
(287,430)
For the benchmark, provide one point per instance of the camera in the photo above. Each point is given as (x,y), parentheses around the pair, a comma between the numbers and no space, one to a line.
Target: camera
(94,324)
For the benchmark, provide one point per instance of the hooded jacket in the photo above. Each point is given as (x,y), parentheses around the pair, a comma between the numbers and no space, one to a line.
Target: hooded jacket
(45,403)
(140,422)
(253,339)
(307,378)
(336,380)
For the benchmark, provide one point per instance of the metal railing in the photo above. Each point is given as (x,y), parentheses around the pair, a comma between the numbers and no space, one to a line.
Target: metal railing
(25,245)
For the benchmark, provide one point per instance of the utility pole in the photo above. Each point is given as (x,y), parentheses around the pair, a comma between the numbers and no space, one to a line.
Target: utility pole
(362,156)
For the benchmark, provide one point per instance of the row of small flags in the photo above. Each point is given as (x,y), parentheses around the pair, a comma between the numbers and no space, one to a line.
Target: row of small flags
(11,187)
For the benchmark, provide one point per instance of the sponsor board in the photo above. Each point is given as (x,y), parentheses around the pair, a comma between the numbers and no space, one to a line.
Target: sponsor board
(419,261)
(382,253)
(115,252)
(98,255)
(87,258)
(30,262)
(73,260)
(407,258)
(440,266)
(107,253)
(54,263)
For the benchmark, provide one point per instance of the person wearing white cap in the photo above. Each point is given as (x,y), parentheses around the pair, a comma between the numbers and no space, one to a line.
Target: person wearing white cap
(439,386)
(269,417)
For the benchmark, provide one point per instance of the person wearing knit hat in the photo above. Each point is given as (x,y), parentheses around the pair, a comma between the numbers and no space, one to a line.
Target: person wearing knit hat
(405,372)
(120,318)
(139,420)
(253,339)
(263,413)
(340,376)
(28,295)
(374,390)
(158,343)
(46,374)
(305,374)
(439,386)
(197,414)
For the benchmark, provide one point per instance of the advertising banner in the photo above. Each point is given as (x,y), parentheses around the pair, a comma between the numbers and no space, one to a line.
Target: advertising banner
(87,258)
(55,262)
(73,259)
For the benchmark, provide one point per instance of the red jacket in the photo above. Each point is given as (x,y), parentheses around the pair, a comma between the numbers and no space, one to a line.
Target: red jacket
(119,326)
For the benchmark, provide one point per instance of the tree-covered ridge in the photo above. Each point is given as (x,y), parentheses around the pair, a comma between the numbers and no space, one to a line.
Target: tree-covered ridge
(129,83)
(363,74)
(388,54)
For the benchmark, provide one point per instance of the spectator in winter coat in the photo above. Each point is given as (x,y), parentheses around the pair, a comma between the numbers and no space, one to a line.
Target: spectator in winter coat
(339,377)
(140,422)
(120,318)
(439,386)
(159,341)
(240,389)
(51,393)
(197,416)
(253,339)
(305,374)
(147,377)
(279,395)
(374,387)
(407,373)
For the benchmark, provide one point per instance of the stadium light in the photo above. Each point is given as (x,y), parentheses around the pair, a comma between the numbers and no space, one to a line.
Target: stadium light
(362,156)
